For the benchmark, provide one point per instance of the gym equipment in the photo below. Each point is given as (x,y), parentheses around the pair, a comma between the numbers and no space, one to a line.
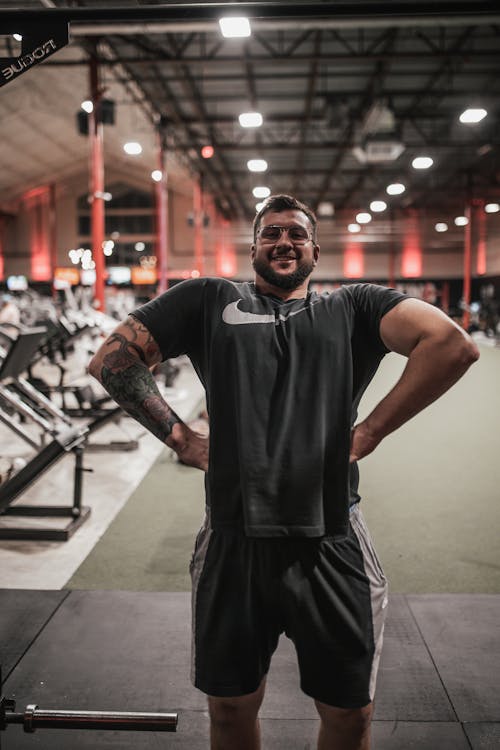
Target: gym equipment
(34,718)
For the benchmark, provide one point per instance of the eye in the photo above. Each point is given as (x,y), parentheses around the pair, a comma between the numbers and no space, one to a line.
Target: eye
(270,233)
(298,235)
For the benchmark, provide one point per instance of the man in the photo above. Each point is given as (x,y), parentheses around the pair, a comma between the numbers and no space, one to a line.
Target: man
(284,547)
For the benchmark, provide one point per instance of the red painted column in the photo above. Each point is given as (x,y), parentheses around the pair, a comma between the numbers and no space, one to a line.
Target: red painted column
(2,258)
(161,194)
(52,230)
(97,185)
(198,227)
(480,217)
(467,267)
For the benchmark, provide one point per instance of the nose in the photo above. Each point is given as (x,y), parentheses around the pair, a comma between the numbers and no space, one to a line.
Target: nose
(284,240)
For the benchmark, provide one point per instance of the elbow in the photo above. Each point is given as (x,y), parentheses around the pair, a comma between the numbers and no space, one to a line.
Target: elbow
(467,352)
(94,368)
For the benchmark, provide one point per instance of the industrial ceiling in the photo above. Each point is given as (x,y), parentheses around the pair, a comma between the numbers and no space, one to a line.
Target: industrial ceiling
(350,93)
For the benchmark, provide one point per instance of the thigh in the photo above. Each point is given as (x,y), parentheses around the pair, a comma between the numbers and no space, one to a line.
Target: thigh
(330,620)
(234,631)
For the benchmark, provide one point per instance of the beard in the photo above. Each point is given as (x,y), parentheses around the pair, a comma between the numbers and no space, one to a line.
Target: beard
(288,281)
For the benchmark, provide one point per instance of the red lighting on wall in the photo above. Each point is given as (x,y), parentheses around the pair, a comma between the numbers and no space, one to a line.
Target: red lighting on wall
(411,261)
(37,206)
(354,263)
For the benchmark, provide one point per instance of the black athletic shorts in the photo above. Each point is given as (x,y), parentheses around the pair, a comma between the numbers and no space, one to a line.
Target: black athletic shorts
(328,595)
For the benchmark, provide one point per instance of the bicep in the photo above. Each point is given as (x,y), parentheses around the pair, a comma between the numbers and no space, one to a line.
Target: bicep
(129,342)
(412,320)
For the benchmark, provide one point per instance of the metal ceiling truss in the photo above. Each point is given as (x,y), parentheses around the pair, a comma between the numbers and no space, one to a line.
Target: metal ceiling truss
(314,69)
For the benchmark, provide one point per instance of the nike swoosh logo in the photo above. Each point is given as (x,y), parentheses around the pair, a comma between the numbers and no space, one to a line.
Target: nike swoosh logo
(234,316)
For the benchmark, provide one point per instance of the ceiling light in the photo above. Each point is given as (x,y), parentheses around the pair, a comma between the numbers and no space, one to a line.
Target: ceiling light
(235,26)
(461,221)
(326,208)
(261,192)
(422,162)
(139,246)
(472,115)
(207,152)
(441,227)
(363,218)
(18,37)
(260,205)
(250,119)
(492,208)
(257,165)
(378,206)
(87,106)
(354,228)
(395,188)
(132,148)
(156,175)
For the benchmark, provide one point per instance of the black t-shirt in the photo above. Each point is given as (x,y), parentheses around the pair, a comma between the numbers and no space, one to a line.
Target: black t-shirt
(283,382)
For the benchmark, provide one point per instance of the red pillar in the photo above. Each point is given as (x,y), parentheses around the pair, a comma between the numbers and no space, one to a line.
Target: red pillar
(2,230)
(198,227)
(97,185)
(161,194)
(52,229)
(467,267)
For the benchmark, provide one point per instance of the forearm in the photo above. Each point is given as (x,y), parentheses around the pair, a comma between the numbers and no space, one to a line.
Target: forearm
(134,389)
(432,368)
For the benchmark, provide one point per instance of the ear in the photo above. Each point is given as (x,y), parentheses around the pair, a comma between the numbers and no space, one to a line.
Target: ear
(315,254)
(252,251)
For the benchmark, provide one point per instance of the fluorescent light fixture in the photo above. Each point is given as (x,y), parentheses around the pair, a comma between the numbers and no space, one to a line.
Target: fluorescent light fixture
(461,221)
(363,218)
(132,148)
(156,175)
(441,226)
(422,162)
(257,165)
(261,192)
(87,106)
(492,208)
(258,206)
(250,119)
(354,228)
(378,206)
(395,188)
(235,26)
(472,115)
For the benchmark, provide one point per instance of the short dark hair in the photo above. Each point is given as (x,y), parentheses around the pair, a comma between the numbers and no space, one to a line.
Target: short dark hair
(283,202)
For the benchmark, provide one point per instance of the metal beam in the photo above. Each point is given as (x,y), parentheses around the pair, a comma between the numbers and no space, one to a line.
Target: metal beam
(340,14)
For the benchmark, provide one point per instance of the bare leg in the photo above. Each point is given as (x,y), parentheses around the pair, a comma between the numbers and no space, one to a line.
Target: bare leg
(233,721)
(344,728)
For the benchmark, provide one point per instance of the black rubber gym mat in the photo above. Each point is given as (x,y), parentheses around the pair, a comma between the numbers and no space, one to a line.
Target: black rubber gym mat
(129,651)
(24,613)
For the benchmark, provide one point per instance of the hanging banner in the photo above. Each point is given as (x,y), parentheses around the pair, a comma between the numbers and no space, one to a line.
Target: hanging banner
(38,43)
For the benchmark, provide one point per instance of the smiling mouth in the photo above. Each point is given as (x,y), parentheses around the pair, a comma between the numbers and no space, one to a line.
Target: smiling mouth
(283,257)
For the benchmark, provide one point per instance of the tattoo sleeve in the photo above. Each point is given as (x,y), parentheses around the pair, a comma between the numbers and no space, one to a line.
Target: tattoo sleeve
(128,380)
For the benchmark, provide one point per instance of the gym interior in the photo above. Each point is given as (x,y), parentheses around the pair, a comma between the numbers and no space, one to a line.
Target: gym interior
(137,142)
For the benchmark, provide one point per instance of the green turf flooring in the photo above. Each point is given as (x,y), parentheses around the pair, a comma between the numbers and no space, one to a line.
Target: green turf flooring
(431,495)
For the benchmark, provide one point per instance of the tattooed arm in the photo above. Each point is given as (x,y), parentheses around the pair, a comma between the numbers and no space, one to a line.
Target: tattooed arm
(122,364)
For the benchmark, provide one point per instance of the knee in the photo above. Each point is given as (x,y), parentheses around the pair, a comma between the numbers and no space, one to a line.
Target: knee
(352,721)
(230,711)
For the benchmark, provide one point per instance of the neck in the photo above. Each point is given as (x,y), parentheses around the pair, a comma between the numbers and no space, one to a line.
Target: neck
(263,287)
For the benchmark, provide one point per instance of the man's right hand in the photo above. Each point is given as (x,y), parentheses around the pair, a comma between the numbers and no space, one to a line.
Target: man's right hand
(190,446)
